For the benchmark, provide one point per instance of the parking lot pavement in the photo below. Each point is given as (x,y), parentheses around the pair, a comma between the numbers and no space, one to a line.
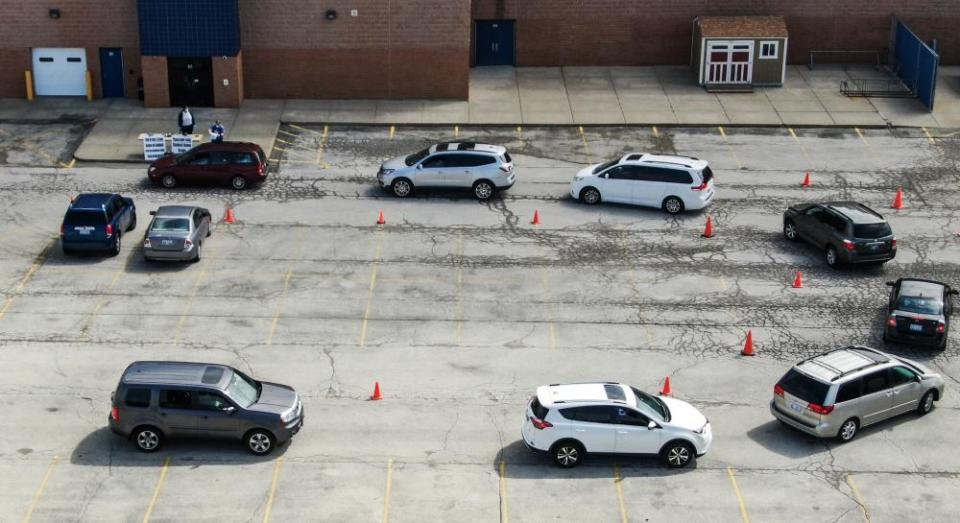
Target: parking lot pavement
(40,144)
(459,310)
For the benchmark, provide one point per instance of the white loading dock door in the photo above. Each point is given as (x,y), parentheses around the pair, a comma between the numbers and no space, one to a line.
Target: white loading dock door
(60,71)
(730,62)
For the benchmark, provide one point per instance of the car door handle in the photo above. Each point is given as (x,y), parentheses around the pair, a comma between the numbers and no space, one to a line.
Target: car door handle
(579,430)
(622,432)
(889,394)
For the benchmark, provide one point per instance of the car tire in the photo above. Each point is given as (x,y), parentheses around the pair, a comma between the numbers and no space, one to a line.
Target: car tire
(196,257)
(168,181)
(117,244)
(68,252)
(483,190)
(259,442)
(678,454)
(401,187)
(567,454)
(590,196)
(886,337)
(238,183)
(831,256)
(848,430)
(672,205)
(790,230)
(926,403)
(147,439)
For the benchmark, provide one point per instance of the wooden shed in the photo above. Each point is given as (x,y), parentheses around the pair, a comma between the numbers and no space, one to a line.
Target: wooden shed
(739,52)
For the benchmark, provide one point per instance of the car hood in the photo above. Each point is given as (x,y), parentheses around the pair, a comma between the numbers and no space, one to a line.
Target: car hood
(275,398)
(683,414)
(394,163)
(587,171)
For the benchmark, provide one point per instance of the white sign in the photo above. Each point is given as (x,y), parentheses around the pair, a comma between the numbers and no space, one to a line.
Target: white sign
(181,143)
(153,146)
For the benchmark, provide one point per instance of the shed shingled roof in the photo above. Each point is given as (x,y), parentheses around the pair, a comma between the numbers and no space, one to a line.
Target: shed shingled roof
(742,27)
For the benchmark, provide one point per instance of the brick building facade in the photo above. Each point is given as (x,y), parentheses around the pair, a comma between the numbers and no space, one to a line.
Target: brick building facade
(425,48)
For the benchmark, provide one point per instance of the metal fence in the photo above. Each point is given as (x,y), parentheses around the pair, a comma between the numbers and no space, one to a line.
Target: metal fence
(914,62)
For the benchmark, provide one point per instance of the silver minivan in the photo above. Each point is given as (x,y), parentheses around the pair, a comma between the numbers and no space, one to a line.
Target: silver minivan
(837,393)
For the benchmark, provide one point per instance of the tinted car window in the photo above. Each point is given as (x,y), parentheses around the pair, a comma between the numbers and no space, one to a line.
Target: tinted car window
(901,375)
(466,160)
(875,382)
(872,230)
(261,156)
(621,173)
(416,157)
(435,162)
(538,410)
(137,398)
(596,414)
(615,392)
(815,212)
(625,416)
(221,158)
(175,399)
(674,175)
(243,159)
(506,156)
(171,224)
(707,174)
(919,305)
(200,159)
(604,166)
(653,403)
(85,218)
(804,387)
(849,391)
(834,222)
(210,401)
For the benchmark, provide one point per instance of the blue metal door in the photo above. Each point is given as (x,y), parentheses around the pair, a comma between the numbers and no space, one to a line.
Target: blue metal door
(111,71)
(495,42)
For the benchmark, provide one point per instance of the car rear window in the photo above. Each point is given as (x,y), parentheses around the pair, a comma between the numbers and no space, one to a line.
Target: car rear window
(263,157)
(707,174)
(872,230)
(171,224)
(538,410)
(506,156)
(85,218)
(137,398)
(919,305)
(804,387)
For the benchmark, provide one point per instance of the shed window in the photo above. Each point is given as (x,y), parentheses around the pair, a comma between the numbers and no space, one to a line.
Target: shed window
(769,50)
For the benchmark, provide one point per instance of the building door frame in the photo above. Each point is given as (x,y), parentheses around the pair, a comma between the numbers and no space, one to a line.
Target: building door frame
(726,63)
(191,81)
(495,42)
(111,72)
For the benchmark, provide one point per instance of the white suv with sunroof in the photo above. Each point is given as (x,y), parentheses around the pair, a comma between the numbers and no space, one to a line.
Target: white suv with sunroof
(482,168)
(571,420)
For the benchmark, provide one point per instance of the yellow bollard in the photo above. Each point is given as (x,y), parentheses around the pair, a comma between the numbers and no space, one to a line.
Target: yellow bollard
(28,77)
(89,87)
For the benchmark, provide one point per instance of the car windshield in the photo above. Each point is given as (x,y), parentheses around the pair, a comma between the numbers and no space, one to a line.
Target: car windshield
(416,157)
(243,389)
(604,166)
(919,305)
(872,230)
(171,224)
(654,403)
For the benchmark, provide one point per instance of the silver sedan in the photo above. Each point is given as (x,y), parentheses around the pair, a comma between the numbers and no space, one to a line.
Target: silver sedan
(176,232)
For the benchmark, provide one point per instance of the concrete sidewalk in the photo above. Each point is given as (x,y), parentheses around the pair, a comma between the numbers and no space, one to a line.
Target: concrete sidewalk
(524,96)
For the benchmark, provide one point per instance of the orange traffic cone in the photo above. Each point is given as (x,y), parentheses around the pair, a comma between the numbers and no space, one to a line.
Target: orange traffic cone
(229,216)
(898,199)
(376,392)
(807,182)
(536,217)
(708,230)
(798,281)
(748,346)
(381,220)
(666,391)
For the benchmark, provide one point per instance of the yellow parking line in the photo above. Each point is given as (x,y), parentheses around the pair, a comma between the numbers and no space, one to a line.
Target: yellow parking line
(858,498)
(72,163)
(34,267)
(586,145)
(456,131)
(803,149)
(862,137)
(156,491)
(373,284)
(393,130)
(322,145)
(193,296)
(618,483)
(736,490)
(273,489)
(504,512)
(929,136)
(730,145)
(295,126)
(460,290)
(286,286)
(519,133)
(40,489)
(386,496)
(656,133)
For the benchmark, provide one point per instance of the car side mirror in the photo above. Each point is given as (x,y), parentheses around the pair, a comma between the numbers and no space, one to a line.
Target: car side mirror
(229,409)
(651,425)
(954,292)
(891,283)
(153,213)
(419,166)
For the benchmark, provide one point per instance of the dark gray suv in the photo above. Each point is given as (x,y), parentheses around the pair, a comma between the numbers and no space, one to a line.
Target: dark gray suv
(847,232)
(160,399)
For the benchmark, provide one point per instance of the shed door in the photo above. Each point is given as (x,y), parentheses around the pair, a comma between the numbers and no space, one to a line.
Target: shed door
(59,71)
(730,62)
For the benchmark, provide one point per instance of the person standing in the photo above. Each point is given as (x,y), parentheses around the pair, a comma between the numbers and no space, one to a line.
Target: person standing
(185,120)
(216,132)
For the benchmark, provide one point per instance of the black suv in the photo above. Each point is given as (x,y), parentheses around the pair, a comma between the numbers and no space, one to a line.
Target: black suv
(95,221)
(848,232)
(919,312)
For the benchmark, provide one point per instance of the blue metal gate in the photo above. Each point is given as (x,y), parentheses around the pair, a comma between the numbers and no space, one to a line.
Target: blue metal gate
(914,62)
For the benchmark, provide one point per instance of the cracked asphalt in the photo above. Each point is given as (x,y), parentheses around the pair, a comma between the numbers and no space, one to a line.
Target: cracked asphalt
(460,310)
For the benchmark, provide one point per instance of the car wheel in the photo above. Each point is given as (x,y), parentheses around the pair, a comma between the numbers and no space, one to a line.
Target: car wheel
(677,454)
(168,181)
(483,190)
(926,403)
(886,337)
(68,252)
(116,246)
(790,230)
(147,439)
(401,187)
(568,454)
(239,183)
(590,196)
(259,442)
(673,205)
(848,430)
(196,257)
(831,256)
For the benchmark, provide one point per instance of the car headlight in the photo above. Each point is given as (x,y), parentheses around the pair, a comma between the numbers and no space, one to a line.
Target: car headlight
(387,171)
(152,168)
(289,415)
(702,429)
(578,178)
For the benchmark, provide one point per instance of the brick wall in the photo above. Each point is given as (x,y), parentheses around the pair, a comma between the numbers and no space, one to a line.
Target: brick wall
(229,68)
(156,83)
(638,32)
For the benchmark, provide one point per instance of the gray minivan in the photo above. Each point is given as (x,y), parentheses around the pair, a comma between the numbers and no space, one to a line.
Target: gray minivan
(159,399)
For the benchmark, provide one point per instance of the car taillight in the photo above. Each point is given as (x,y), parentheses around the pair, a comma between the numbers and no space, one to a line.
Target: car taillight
(187,244)
(263,168)
(849,245)
(62,229)
(893,243)
(146,243)
(941,328)
(539,423)
(115,413)
(109,230)
(820,409)
(506,168)
(700,187)
(892,321)
(778,390)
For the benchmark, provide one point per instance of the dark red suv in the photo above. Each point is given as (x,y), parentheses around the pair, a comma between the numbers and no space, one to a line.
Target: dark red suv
(236,163)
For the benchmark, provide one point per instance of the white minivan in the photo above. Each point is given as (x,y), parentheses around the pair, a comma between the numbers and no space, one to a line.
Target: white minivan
(672,183)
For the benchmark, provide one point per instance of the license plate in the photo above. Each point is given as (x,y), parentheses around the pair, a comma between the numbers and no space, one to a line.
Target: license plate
(166,242)
(916,327)
(875,246)
(83,230)
(797,407)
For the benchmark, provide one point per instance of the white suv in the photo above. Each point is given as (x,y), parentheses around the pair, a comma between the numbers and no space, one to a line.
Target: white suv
(482,168)
(570,420)
(672,183)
